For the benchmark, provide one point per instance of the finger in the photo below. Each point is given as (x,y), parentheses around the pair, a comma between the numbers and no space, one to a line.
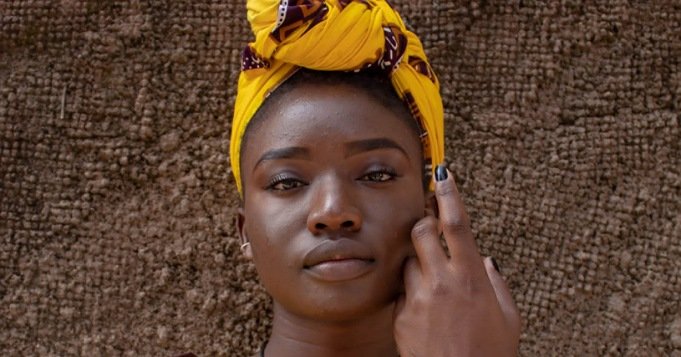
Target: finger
(454,220)
(431,205)
(412,276)
(426,242)
(432,210)
(503,293)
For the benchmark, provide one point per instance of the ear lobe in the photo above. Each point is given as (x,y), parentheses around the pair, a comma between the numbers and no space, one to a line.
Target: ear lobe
(243,237)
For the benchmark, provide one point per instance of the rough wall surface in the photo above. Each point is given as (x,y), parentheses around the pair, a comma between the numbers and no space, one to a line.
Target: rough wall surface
(116,201)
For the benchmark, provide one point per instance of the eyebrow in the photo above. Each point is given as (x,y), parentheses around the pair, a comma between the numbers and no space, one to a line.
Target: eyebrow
(284,153)
(351,148)
(359,146)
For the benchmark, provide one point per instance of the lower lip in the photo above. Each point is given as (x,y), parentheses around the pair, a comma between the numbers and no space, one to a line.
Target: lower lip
(340,270)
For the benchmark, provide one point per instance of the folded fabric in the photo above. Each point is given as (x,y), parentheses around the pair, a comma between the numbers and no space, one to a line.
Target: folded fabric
(335,35)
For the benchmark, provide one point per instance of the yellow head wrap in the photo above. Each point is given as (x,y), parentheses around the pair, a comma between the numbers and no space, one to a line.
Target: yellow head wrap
(335,35)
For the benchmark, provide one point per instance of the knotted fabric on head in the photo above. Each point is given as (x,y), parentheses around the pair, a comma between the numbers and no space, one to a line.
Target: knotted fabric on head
(335,35)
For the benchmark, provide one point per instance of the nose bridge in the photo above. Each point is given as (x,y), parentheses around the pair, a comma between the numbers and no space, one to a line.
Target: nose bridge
(333,206)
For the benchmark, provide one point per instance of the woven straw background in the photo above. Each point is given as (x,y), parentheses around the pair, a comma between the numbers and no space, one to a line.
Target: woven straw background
(116,201)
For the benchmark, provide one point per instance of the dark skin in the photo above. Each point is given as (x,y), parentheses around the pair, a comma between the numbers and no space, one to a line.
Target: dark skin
(334,211)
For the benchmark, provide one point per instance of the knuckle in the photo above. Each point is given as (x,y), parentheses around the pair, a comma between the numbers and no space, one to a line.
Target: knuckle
(439,288)
(456,224)
(423,228)
(446,188)
(471,287)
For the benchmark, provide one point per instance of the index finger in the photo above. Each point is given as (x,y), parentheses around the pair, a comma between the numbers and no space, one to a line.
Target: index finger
(454,219)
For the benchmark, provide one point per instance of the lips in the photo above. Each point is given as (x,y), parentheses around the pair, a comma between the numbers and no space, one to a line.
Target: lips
(338,260)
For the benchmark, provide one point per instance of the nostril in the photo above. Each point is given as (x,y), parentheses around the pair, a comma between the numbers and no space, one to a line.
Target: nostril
(320,226)
(347,224)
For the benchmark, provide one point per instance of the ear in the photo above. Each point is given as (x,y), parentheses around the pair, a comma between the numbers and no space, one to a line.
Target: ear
(431,204)
(241,230)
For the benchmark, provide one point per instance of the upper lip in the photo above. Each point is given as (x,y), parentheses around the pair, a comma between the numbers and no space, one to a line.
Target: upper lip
(338,249)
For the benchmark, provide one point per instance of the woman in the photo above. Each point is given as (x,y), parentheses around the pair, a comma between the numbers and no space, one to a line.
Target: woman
(337,121)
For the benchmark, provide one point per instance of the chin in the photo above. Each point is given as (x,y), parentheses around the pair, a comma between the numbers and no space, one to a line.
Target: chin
(342,302)
(349,312)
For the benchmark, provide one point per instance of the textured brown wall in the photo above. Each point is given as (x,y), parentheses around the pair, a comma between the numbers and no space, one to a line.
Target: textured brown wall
(116,200)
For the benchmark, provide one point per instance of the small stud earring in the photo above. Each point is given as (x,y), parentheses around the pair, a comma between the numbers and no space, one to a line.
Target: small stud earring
(243,246)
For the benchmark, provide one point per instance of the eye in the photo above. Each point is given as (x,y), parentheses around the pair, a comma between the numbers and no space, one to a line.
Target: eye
(284,182)
(380,175)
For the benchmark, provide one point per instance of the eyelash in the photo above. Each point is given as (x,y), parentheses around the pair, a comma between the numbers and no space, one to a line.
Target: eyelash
(385,174)
(391,175)
(283,179)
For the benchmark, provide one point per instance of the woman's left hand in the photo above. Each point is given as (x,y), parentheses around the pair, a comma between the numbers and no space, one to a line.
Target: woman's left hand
(458,305)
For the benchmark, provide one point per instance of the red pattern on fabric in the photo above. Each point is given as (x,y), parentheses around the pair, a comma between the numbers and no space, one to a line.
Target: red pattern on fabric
(394,48)
(251,60)
(296,14)
(422,67)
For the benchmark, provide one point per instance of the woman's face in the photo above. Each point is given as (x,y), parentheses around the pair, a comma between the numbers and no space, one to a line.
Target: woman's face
(333,185)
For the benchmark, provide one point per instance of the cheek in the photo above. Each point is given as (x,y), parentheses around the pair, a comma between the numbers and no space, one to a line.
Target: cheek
(270,252)
(269,227)
(395,215)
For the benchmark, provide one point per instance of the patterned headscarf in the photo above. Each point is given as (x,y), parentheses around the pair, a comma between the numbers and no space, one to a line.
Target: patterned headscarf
(335,35)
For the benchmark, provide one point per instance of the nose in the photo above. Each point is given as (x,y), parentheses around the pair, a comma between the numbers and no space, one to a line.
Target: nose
(333,208)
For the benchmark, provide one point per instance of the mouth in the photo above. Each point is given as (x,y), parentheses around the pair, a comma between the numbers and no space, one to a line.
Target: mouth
(338,260)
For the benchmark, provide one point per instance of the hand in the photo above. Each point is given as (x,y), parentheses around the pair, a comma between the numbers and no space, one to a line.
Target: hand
(458,305)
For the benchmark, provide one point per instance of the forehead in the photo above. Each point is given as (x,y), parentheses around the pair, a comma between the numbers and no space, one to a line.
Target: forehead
(320,114)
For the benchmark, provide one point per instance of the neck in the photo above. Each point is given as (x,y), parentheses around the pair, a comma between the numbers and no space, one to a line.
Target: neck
(293,335)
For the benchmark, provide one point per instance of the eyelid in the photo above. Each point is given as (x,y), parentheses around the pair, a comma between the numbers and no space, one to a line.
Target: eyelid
(380,170)
(281,178)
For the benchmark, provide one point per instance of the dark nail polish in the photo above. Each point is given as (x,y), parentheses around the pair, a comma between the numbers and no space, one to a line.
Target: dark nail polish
(441,173)
(496,266)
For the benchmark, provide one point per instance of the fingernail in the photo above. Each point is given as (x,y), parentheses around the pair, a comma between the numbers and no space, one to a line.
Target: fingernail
(495,265)
(440,173)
